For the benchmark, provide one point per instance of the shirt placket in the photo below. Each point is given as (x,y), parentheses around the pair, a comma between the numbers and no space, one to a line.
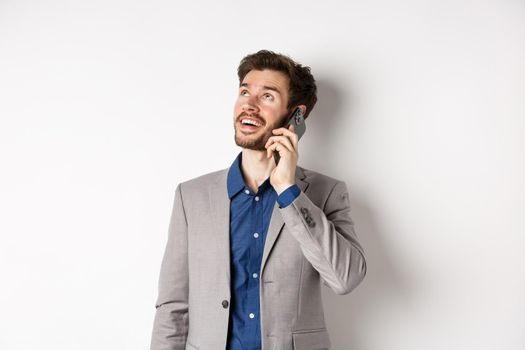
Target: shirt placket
(254,265)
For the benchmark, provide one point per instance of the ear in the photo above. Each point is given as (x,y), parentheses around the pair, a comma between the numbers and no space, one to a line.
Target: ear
(303,109)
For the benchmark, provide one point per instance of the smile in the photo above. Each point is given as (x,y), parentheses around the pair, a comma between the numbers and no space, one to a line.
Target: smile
(249,121)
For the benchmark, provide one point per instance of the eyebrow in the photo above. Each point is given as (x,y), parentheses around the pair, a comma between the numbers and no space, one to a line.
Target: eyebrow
(265,87)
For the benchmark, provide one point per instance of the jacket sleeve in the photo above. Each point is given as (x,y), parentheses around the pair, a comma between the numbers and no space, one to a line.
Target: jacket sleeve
(170,327)
(327,238)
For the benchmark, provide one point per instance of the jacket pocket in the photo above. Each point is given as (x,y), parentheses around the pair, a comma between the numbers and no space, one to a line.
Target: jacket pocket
(317,339)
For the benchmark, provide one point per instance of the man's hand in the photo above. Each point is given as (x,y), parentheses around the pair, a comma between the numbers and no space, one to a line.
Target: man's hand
(284,142)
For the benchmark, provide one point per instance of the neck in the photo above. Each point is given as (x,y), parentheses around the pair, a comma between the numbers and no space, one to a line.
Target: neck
(256,167)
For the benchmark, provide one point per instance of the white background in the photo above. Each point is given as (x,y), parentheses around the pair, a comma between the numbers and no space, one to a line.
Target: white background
(106,106)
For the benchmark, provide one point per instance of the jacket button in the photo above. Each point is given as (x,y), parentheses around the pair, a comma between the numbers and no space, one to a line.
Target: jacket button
(225,304)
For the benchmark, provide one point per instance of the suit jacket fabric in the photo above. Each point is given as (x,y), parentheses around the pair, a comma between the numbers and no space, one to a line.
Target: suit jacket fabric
(309,242)
(250,215)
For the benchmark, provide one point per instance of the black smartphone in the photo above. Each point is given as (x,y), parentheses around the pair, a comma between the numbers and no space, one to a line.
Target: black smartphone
(297,119)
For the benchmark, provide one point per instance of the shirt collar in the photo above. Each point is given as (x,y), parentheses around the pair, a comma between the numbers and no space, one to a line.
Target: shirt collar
(235,181)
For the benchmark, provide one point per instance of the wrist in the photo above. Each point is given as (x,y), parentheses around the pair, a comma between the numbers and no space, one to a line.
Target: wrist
(281,188)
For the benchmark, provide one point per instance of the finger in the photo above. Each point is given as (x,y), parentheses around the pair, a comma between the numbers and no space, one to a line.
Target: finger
(276,146)
(270,140)
(269,150)
(279,147)
(289,133)
(282,149)
(284,131)
(284,140)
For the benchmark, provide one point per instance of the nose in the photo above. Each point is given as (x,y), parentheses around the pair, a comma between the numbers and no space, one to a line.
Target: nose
(249,105)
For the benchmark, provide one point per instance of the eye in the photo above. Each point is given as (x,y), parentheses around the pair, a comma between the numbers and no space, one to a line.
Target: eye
(268,97)
(243,92)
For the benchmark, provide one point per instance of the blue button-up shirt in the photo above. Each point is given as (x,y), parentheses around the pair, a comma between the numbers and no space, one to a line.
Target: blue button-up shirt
(250,215)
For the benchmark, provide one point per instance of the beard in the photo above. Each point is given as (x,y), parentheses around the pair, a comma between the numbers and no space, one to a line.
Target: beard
(258,139)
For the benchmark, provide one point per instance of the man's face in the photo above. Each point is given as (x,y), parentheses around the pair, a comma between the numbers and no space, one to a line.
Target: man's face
(262,98)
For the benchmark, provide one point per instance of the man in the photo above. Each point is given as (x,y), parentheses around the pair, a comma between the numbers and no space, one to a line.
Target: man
(248,246)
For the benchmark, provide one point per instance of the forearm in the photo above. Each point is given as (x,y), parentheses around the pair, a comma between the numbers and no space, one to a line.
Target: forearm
(328,240)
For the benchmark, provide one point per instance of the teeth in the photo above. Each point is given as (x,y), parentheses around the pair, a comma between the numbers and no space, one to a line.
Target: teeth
(248,121)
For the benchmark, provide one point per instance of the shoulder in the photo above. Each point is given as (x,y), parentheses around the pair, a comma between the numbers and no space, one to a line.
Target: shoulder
(315,177)
(203,182)
(195,192)
(324,190)
(322,186)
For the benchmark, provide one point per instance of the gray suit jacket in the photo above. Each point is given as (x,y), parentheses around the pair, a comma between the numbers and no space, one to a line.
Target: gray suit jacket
(309,242)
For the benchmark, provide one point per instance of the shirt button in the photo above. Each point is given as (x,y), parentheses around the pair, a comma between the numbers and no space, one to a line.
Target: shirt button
(257,198)
(225,304)
(256,235)
(255,275)
(246,191)
(251,315)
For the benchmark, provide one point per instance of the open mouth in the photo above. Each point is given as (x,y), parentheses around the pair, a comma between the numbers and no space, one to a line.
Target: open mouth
(250,124)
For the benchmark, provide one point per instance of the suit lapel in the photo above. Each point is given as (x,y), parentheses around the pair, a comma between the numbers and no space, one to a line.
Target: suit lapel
(277,222)
(220,208)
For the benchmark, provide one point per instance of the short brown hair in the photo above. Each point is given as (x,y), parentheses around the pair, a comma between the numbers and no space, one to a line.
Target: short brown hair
(302,83)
